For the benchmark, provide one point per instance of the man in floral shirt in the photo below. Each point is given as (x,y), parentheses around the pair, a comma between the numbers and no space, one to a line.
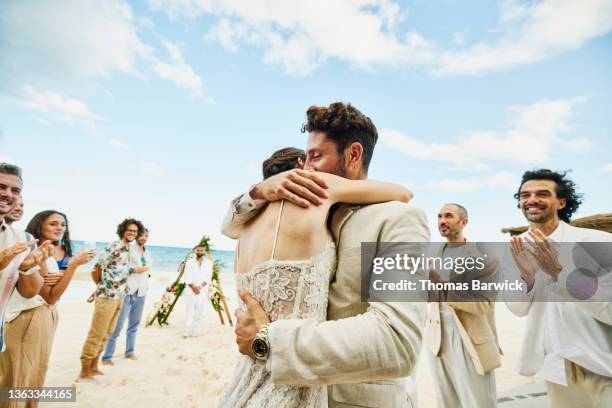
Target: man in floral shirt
(111,275)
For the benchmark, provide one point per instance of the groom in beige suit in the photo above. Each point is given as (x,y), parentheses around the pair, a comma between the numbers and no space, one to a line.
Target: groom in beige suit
(365,351)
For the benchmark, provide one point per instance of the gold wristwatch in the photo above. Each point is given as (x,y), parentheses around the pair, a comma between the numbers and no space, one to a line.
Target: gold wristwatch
(260,345)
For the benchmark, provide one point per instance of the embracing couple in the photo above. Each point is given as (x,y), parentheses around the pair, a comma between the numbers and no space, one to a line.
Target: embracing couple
(306,337)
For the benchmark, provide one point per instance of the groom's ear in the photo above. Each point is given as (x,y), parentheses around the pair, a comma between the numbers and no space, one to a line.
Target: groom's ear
(354,154)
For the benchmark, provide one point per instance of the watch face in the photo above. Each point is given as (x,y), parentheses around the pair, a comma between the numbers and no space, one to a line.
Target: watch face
(260,348)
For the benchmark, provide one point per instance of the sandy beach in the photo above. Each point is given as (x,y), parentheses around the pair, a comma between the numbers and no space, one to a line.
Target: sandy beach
(172,371)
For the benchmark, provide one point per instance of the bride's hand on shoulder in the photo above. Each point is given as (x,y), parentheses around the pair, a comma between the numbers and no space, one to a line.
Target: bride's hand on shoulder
(301,187)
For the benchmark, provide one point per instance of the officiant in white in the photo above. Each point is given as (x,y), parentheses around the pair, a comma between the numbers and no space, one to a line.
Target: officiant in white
(198,274)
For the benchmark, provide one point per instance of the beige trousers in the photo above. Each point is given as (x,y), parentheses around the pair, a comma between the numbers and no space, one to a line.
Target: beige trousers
(106,313)
(24,363)
(455,378)
(585,389)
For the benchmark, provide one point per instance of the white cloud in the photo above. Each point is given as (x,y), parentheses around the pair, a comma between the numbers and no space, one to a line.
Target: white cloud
(302,35)
(179,72)
(80,39)
(607,168)
(49,46)
(118,144)
(56,106)
(533,132)
(531,32)
(502,180)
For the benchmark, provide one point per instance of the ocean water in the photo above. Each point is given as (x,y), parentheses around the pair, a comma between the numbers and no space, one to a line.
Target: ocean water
(168,259)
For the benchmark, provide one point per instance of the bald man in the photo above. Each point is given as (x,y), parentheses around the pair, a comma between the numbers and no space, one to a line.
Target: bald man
(460,333)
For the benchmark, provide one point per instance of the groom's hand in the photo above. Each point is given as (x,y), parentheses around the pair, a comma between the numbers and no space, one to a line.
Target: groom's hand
(248,322)
(301,187)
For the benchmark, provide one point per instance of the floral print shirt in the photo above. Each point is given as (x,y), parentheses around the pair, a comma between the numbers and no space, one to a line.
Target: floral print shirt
(116,265)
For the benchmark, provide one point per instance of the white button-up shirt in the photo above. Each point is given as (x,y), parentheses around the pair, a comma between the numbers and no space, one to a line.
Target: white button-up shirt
(558,342)
(198,272)
(138,283)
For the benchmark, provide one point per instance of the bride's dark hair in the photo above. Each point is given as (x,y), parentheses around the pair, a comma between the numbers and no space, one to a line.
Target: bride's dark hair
(283,160)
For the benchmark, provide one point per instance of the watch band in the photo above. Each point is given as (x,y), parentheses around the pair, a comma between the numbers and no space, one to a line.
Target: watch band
(263,331)
(260,344)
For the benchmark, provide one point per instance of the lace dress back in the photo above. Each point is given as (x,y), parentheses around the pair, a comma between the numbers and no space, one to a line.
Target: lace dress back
(286,290)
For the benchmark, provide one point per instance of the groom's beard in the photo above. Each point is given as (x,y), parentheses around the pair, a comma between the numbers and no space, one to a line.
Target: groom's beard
(340,169)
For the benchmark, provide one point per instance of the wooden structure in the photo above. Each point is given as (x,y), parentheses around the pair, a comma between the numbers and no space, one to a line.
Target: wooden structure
(602,222)
(164,308)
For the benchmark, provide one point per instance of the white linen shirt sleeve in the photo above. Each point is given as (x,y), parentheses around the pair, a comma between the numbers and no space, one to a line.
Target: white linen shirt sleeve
(189,273)
(208,269)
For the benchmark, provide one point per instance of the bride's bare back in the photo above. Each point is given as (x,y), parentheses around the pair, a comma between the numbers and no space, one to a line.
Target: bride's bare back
(302,234)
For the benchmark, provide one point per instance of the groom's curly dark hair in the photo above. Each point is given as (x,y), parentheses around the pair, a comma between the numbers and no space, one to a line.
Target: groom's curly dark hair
(344,124)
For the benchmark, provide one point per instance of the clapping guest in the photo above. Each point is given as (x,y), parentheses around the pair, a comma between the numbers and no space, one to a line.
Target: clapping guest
(31,322)
(568,342)
(19,265)
(133,304)
(53,226)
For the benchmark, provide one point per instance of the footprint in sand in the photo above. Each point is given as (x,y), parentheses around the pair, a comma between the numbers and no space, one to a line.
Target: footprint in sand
(174,371)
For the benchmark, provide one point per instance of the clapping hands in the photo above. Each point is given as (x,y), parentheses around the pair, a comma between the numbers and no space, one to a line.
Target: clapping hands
(37,257)
(7,255)
(534,254)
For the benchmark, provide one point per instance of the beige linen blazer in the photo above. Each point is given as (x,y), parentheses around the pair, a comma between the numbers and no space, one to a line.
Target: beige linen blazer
(475,320)
(364,352)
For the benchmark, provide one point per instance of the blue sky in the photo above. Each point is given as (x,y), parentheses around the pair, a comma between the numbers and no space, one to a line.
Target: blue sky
(164,109)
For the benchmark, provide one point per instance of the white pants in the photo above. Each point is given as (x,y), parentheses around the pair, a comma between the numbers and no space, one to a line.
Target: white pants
(193,312)
(456,381)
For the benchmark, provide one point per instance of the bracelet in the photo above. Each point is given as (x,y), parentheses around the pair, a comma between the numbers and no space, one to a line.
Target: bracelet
(30,271)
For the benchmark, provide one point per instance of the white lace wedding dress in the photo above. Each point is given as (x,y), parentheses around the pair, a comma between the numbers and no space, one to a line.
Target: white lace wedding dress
(286,290)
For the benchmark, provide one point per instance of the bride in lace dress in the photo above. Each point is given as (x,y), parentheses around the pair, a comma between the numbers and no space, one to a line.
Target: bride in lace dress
(285,259)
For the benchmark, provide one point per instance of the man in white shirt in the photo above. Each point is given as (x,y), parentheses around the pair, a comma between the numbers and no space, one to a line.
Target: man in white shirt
(567,342)
(133,303)
(198,274)
(19,266)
